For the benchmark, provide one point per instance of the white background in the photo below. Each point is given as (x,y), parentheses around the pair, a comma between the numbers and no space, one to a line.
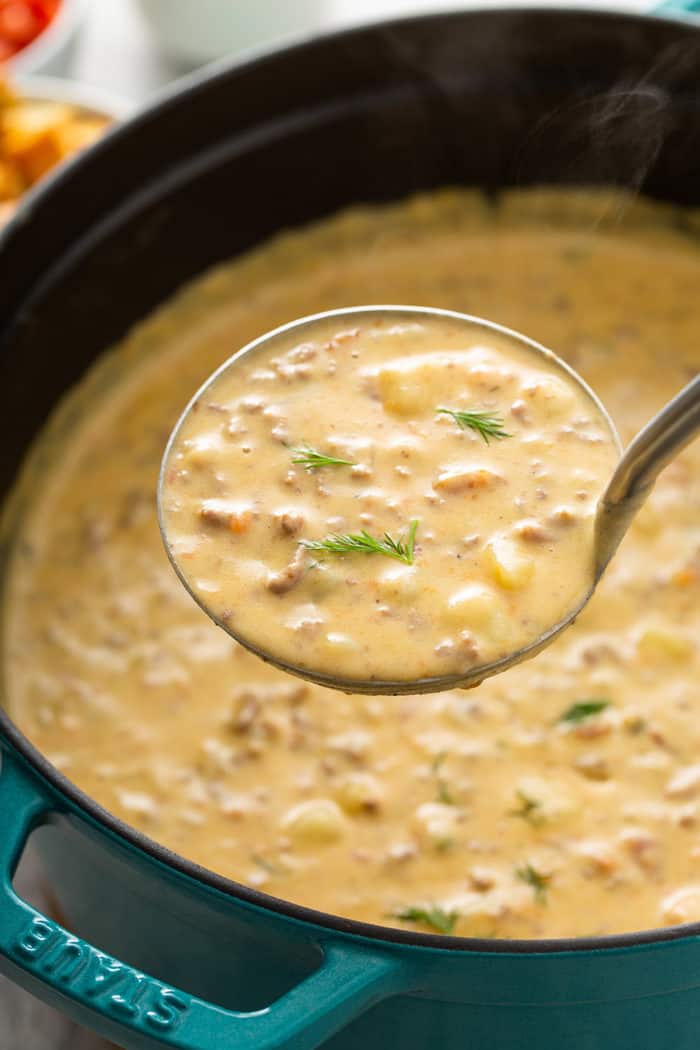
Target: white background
(117,52)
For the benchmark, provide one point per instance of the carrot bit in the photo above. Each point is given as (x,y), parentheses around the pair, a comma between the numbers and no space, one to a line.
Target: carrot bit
(240,522)
(685,577)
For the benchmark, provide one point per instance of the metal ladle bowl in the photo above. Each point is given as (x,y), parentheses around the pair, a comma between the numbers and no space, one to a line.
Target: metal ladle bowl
(649,452)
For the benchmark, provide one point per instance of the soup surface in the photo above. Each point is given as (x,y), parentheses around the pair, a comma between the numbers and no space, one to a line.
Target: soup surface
(305,466)
(559,798)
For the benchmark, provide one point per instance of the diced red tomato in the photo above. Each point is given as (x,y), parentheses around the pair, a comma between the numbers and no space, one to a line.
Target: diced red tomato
(18,24)
(21,22)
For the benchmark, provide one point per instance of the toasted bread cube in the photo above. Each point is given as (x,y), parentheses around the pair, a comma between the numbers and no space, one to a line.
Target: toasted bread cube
(11,182)
(29,136)
(79,133)
(7,95)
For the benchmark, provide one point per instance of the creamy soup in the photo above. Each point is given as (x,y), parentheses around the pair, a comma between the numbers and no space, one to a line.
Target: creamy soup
(561,797)
(307,465)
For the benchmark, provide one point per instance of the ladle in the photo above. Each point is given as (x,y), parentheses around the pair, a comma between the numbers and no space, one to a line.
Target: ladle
(647,454)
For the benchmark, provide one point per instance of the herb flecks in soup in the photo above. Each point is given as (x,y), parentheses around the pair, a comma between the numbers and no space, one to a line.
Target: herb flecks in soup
(309,463)
(560,798)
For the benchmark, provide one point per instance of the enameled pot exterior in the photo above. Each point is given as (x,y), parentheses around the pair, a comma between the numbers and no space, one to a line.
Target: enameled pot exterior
(489,98)
(272,981)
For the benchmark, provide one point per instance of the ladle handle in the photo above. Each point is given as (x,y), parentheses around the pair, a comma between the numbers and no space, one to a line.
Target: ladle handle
(648,453)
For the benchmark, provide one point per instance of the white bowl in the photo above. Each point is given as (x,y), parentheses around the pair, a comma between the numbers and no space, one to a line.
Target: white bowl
(87,97)
(197,31)
(53,50)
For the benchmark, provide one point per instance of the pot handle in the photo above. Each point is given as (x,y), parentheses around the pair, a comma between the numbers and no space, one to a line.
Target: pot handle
(678,7)
(139,1011)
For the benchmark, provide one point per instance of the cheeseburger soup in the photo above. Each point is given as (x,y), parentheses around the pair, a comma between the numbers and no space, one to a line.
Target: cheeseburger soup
(561,797)
(325,505)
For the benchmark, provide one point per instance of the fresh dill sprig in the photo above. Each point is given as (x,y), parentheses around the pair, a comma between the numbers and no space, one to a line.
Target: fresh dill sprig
(582,710)
(538,882)
(484,423)
(363,543)
(440,920)
(442,792)
(529,810)
(266,865)
(311,459)
(636,726)
(437,763)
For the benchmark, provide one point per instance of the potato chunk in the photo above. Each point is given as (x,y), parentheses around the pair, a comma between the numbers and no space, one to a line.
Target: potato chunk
(476,607)
(436,824)
(682,905)
(510,567)
(410,385)
(398,583)
(319,821)
(660,643)
(360,792)
(549,396)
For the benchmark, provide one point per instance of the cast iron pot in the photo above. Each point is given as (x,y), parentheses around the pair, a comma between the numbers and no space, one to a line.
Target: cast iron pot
(488,97)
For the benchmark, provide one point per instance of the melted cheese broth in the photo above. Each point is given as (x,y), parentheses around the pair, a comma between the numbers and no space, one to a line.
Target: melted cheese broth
(490,533)
(559,798)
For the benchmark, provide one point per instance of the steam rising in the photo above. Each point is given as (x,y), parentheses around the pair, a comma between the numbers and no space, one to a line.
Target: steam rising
(535,100)
(612,138)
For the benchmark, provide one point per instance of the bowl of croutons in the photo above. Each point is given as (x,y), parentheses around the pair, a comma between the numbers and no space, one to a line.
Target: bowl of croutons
(44,122)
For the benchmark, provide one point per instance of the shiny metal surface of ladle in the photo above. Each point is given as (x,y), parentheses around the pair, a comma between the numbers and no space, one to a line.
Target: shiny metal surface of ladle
(667,433)
(664,436)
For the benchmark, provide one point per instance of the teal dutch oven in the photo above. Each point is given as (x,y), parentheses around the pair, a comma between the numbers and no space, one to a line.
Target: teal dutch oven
(162,953)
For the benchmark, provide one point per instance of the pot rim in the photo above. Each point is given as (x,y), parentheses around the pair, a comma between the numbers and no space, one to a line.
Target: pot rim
(190,85)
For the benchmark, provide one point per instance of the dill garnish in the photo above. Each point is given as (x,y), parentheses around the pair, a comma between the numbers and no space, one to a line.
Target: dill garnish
(582,710)
(443,793)
(636,726)
(437,762)
(536,880)
(529,810)
(484,423)
(310,459)
(440,920)
(266,865)
(363,543)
